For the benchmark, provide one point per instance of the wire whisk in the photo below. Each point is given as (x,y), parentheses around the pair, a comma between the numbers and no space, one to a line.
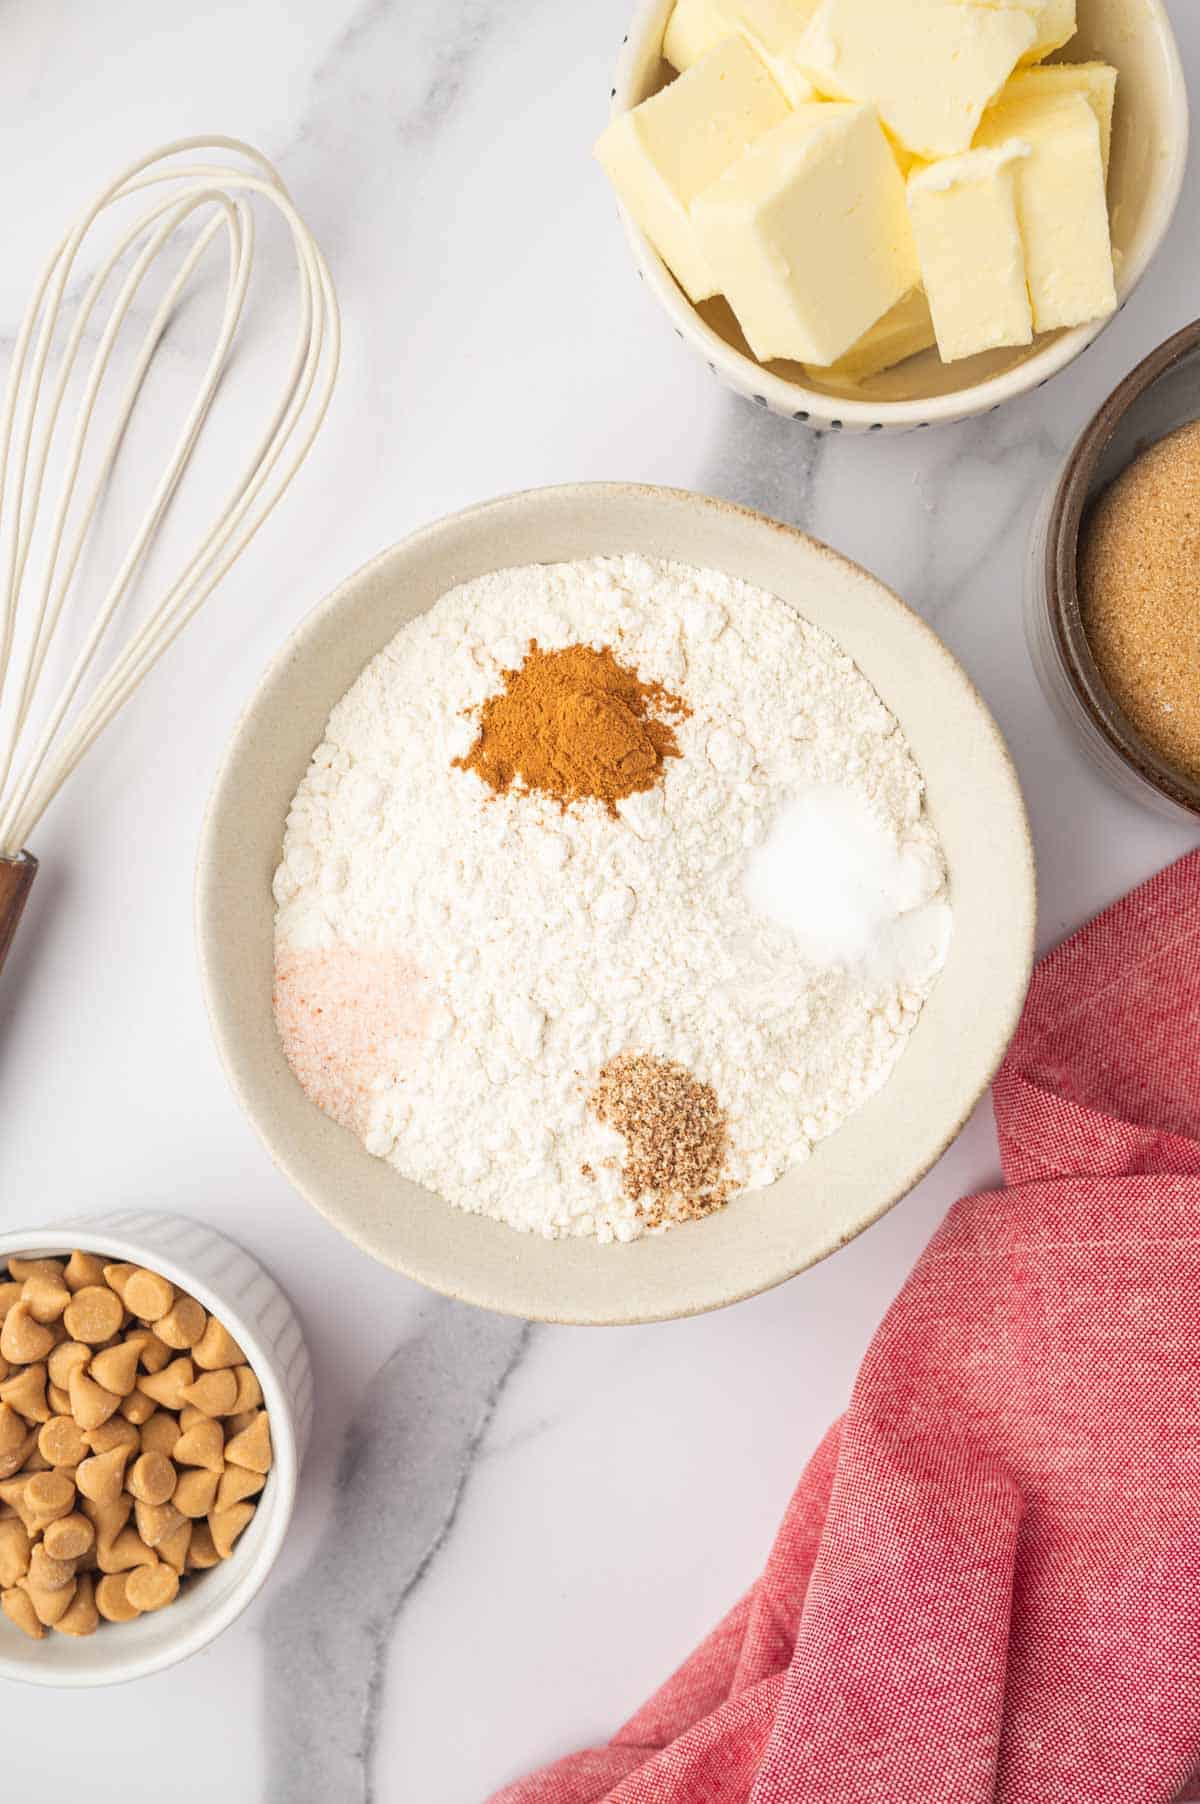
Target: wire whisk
(43,740)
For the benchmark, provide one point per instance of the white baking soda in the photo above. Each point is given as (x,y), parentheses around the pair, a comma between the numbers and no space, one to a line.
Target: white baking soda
(849,889)
(771,915)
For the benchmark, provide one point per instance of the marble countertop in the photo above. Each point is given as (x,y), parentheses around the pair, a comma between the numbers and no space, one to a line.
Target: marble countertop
(506,1536)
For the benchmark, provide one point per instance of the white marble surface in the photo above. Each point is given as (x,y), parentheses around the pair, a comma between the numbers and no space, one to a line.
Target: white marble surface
(506,1538)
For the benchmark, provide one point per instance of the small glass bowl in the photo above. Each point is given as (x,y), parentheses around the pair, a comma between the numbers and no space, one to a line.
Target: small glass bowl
(1156,398)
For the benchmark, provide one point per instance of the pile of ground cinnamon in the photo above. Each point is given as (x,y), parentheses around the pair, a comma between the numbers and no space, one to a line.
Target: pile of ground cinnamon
(574,724)
(676,1137)
(1138,595)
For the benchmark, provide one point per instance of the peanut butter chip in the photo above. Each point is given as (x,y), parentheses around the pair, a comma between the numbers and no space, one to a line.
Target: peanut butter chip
(101,1477)
(173,1548)
(227,1525)
(81,1269)
(22,1339)
(15,1458)
(112,1598)
(148,1296)
(202,1554)
(15,1549)
(34,1268)
(61,1441)
(93,1315)
(25,1392)
(195,1493)
(183,1325)
(49,1606)
(137,1408)
(217,1348)
(126,1550)
(46,1574)
(116,1432)
(19,1610)
(47,1297)
(153,1587)
(249,1391)
(252,1447)
(151,1479)
(13,1429)
(82,1617)
(66,1358)
(203,1445)
(155,1521)
(116,1368)
(49,1495)
(118,1276)
(237,1484)
(91,1404)
(214,1392)
(70,1537)
(160,1433)
(108,1519)
(168,1386)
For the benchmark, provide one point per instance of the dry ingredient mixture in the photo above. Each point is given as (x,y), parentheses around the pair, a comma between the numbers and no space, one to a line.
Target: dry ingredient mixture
(609,892)
(1140,595)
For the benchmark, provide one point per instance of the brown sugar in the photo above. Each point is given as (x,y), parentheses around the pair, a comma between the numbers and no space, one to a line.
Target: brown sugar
(1139,591)
(575,724)
(676,1137)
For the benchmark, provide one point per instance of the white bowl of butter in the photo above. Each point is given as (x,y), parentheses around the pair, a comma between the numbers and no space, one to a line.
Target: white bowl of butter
(947,207)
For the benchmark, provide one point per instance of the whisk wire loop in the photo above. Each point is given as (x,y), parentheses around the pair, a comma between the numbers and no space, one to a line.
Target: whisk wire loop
(223,195)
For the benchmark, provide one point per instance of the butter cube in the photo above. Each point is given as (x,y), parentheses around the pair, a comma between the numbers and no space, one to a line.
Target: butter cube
(808,234)
(900,334)
(665,152)
(772,28)
(1055,27)
(964,214)
(1061,206)
(1097,82)
(1053,21)
(929,66)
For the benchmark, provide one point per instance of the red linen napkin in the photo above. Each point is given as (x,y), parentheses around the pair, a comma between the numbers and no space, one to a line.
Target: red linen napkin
(986,1589)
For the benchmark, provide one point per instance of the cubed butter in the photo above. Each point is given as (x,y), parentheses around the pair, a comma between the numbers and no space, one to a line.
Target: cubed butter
(929,66)
(1061,207)
(1097,82)
(1055,27)
(964,215)
(1053,22)
(772,29)
(902,333)
(808,235)
(666,151)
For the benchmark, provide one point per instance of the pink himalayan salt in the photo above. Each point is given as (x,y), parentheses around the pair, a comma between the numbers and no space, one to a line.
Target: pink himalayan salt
(347,1017)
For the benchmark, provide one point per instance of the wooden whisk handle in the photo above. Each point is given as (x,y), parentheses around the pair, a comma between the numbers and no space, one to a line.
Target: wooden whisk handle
(16,881)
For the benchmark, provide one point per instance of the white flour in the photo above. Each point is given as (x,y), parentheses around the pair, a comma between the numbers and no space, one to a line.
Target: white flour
(548,942)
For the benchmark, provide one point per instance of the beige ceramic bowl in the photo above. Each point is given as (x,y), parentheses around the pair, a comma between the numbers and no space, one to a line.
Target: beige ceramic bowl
(1149,154)
(856,1175)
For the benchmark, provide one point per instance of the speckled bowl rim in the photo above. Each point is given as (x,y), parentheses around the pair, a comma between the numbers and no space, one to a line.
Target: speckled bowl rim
(503,1286)
(1061,573)
(819,409)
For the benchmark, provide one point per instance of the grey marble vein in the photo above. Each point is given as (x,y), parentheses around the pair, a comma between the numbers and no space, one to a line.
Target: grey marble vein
(430,48)
(405,1463)
(763,461)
